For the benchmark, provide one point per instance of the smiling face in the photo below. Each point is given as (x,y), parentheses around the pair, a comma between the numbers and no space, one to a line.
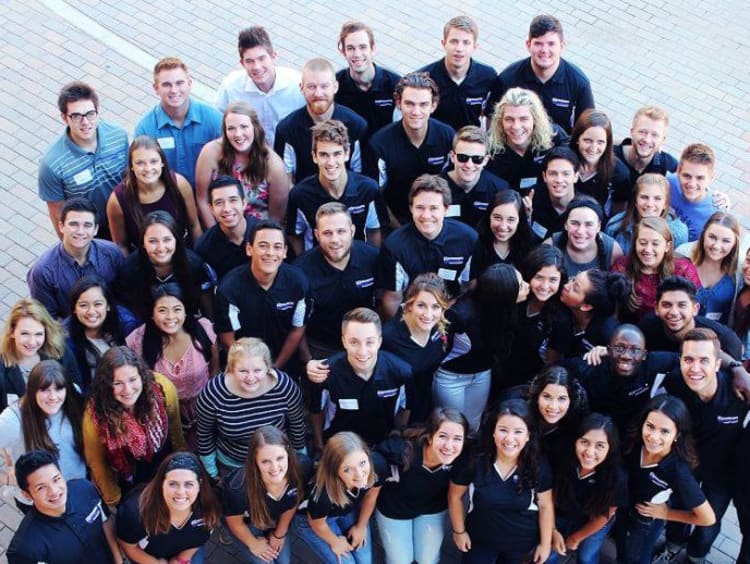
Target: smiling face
(504,222)
(575,292)
(180,489)
(627,350)
(447,442)
(428,212)
(335,233)
(173,88)
(318,88)
(553,403)
(82,131)
(78,229)
(227,206)
(647,135)
(354,470)
(169,315)
(28,337)
(699,365)
(718,242)
(560,178)
(51,399)
(650,248)
(659,434)
(518,126)
(545,283)
(260,65)
(425,311)
(511,435)
(159,244)
(677,311)
(592,143)
(250,375)
(582,227)
(127,385)
(331,159)
(695,179)
(48,490)
(358,52)
(416,105)
(361,342)
(591,450)
(266,252)
(146,165)
(459,46)
(545,51)
(91,308)
(239,131)
(468,172)
(273,463)
(651,200)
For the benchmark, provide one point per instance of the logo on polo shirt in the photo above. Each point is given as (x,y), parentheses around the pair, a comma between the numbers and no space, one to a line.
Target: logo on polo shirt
(481,205)
(357,209)
(95,513)
(561,102)
(435,160)
(728,419)
(284,306)
(638,391)
(198,523)
(387,393)
(384,103)
(455,261)
(538,158)
(658,481)
(475,101)
(365,282)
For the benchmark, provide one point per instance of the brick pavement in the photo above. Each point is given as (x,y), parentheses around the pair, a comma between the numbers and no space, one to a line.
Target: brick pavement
(688,56)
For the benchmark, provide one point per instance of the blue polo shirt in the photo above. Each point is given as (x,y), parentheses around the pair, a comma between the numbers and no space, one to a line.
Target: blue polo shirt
(182,145)
(693,214)
(471,206)
(334,292)
(400,162)
(66,170)
(406,254)
(361,197)
(55,272)
(461,103)
(662,163)
(375,105)
(565,95)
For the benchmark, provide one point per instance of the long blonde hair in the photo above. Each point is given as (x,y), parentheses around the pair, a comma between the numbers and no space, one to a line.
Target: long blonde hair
(541,135)
(54,334)
(338,447)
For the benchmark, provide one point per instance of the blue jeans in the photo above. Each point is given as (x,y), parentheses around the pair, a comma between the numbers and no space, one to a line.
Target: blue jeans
(465,392)
(589,549)
(284,557)
(641,535)
(409,540)
(339,526)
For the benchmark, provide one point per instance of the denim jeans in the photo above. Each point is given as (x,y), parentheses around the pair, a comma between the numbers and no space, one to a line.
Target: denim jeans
(198,557)
(464,392)
(409,540)
(589,549)
(641,534)
(339,526)
(284,557)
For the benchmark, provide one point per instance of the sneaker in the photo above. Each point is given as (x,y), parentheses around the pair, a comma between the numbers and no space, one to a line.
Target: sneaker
(670,554)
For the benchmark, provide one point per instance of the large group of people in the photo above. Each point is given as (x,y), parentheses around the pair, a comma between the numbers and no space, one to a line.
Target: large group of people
(447,300)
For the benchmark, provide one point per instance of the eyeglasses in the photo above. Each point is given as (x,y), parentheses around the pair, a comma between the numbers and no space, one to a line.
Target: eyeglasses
(616,349)
(78,118)
(476,159)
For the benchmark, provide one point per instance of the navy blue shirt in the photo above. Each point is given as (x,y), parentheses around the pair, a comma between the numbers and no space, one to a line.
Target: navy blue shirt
(662,163)
(657,339)
(469,350)
(545,219)
(651,483)
(406,254)
(375,105)
(334,292)
(400,162)
(470,206)
(572,517)
(219,252)
(461,104)
(565,95)
(234,498)
(617,189)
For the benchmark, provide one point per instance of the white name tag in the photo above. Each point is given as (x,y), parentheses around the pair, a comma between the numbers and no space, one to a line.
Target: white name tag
(166,142)
(83,177)
(446,274)
(454,210)
(349,404)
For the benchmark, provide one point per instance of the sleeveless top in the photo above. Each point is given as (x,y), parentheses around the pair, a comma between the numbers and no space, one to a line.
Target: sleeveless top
(573,268)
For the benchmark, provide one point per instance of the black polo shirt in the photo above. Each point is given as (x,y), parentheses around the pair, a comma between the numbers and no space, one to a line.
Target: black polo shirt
(566,95)
(470,206)
(657,339)
(234,498)
(662,162)
(130,529)
(375,105)
(366,407)
(323,506)
(523,172)
(293,133)
(618,188)
(219,252)
(334,292)
(652,483)
(77,536)
(361,196)
(545,219)
(406,254)
(597,334)
(469,352)
(572,517)
(400,162)
(717,423)
(247,309)
(461,103)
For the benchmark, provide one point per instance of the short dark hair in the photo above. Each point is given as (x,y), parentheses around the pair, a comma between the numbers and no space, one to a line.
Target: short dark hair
(702,334)
(676,283)
(561,153)
(73,92)
(264,224)
(30,462)
(222,182)
(420,81)
(544,23)
(255,36)
(430,183)
(78,204)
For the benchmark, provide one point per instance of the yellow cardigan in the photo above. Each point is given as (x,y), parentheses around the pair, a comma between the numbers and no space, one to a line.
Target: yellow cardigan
(102,474)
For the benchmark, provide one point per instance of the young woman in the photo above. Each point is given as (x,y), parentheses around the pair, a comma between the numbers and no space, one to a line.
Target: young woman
(131,423)
(150,185)
(659,465)
(174,514)
(511,516)
(582,243)
(413,502)
(742,311)
(593,298)
(505,235)
(242,152)
(715,256)
(47,417)
(30,335)
(261,498)
(179,346)
(521,133)
(95,325)
(602,175)
(419,337)
(248,395)
(650,199)
(651,259)
(162,257)
(341,502)
(590,484)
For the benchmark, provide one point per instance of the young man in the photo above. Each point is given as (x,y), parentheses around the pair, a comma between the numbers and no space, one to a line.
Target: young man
(273,91)
(88,160)
(464,83)
(334,183)
(223,245)
(293,140)
(559,173)
(181,124)
(564,89)
(55,272)
(341,274)
(364,86)
(67,524)
(268,300)
(472,187)
(367,391)
(428,243)
(415,145)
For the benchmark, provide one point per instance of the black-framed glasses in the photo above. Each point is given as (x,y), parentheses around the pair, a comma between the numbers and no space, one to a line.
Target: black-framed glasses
(617,349)
(476,159)
(78,118)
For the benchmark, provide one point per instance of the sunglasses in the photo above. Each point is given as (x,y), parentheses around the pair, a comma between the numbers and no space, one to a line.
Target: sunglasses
(476,159)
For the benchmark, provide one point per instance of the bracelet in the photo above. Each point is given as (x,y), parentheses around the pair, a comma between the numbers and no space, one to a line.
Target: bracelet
(273,534)
(459,532)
